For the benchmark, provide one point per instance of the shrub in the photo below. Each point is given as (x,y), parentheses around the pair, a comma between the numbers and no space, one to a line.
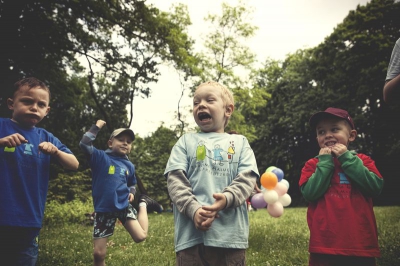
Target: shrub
(67,213)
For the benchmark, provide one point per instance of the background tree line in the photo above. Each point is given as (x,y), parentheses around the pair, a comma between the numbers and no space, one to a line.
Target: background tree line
(97,56)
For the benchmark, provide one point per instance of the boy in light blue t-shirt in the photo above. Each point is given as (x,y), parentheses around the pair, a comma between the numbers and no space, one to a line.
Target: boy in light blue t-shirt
(209,176)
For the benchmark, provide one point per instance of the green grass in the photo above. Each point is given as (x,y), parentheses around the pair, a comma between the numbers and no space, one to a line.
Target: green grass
(273,241)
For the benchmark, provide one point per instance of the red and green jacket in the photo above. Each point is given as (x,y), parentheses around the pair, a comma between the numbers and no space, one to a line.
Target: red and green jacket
(340,213)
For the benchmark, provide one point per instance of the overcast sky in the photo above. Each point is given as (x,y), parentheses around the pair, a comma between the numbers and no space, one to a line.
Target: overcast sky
(284,26)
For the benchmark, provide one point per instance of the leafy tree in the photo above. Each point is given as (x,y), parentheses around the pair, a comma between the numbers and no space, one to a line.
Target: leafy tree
(359,50)
(347,71)
(150,156)
(282,124)
(96,57)
(227,59)
(225,50)
(120,43)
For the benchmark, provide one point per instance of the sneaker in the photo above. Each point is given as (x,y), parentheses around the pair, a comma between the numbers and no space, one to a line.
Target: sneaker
(152,205)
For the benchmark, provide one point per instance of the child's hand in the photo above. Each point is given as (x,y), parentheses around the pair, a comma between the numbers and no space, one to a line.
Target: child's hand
(325,150)
(13,140)
(203,219)
(100,123)
(131,197)
(48,148)
(219,204)
(338,149)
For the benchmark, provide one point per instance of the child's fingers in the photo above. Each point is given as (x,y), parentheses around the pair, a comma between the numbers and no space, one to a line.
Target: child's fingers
(13,140)
(48,148)
(208,214)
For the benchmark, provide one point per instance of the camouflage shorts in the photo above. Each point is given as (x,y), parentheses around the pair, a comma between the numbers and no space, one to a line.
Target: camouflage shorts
(104,222)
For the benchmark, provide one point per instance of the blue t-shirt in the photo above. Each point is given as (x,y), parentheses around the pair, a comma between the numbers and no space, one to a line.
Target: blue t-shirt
(111,178)
(211,162)
(24,175)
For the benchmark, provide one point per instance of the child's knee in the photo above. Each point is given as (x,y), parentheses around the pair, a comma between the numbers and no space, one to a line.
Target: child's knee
(99,254)
(140,238)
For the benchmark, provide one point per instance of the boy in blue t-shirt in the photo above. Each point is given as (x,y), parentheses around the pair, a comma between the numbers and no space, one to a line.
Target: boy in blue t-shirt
(113,189)
(25,155)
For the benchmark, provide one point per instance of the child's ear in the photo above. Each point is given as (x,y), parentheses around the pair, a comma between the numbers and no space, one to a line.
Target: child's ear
(229,110)
(10,103)
(109,143)
(353,135)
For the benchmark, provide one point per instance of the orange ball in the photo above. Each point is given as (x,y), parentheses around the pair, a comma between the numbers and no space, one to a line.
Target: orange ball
(269,180)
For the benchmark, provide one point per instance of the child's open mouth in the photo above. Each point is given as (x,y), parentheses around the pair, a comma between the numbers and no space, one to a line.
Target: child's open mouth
(204,116)
(330,143)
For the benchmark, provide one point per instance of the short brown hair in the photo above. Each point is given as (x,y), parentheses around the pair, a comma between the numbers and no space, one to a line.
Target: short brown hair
(30,82)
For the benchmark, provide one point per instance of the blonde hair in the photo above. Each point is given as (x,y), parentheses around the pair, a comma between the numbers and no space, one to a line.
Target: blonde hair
(226,94)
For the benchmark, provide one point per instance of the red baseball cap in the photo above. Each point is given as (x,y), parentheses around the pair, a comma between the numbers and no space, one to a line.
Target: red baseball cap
(331,111)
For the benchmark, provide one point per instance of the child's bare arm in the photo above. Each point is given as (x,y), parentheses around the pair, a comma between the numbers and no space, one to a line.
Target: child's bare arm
(67,160)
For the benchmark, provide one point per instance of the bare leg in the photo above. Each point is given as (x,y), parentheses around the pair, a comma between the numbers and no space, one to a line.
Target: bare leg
(138,228)
(99,251)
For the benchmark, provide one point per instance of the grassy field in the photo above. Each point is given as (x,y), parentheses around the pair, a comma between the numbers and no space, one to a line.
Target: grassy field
(273,241)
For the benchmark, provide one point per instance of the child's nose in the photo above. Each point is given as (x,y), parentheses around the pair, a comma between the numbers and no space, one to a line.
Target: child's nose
(34,107)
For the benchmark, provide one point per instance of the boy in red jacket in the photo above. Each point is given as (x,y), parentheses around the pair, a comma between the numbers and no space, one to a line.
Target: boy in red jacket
(339,185)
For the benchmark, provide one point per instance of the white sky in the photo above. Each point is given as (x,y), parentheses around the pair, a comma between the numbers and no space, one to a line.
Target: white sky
(284,26)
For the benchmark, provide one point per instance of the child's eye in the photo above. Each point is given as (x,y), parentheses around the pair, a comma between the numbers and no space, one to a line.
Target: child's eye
(26,101)
(320,132)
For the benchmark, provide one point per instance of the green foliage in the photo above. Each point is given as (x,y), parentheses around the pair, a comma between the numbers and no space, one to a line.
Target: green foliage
(96,56)
(346,71)
(150,156)
(67,187)
(248,103)
(272,241)
(226,50)
(73,212)
(226,57)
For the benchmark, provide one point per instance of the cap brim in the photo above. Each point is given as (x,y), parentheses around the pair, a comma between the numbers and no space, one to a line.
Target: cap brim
(315,118)
(129,131)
